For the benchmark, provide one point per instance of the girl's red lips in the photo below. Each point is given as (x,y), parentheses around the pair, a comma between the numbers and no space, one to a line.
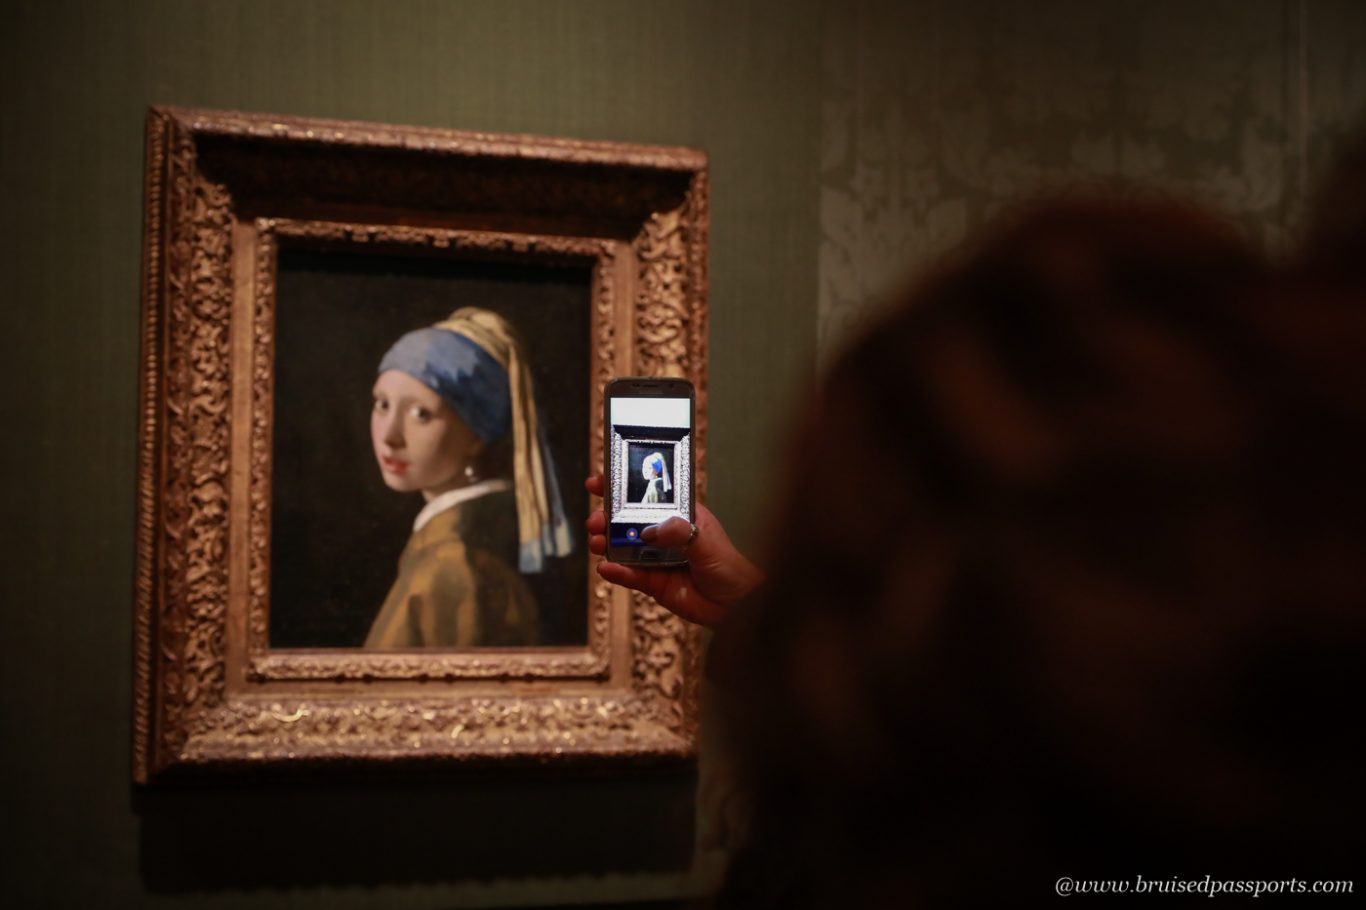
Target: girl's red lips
(392,466)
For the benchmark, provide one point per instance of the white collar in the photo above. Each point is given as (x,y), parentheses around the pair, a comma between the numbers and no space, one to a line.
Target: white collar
(452,498)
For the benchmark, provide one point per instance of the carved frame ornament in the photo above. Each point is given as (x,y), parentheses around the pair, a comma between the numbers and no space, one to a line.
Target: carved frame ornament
(223,191)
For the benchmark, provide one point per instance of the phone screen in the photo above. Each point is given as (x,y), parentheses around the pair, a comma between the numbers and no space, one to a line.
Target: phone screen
(650,465)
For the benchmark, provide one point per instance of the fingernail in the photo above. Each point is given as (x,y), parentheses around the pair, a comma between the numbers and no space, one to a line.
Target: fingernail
(650,533)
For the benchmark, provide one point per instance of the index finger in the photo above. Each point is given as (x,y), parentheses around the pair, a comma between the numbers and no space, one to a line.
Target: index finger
(594,484)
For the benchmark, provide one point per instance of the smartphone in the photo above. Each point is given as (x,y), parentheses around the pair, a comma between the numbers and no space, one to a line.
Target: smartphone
(648,426)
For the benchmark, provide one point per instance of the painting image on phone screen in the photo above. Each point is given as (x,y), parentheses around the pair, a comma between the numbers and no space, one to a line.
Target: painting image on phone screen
(651,465)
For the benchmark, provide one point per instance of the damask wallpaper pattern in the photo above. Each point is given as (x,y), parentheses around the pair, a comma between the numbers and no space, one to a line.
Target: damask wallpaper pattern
(938,114)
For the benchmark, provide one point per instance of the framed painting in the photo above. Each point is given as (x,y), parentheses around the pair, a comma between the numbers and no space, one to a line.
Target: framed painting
(371,384)
(642,462)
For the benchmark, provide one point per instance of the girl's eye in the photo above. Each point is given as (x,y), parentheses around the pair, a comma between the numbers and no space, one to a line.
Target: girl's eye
(422,414)
(381,405)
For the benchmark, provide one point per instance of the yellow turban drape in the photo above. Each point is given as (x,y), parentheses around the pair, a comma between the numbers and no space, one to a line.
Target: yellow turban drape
(542,529)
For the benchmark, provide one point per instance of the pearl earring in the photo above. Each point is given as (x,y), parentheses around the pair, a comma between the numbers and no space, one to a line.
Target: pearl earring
(470,475)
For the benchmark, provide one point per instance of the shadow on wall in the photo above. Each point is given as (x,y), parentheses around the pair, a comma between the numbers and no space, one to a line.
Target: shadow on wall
(491,827)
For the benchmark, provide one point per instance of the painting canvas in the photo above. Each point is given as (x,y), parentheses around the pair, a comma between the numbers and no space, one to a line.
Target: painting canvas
(355,471)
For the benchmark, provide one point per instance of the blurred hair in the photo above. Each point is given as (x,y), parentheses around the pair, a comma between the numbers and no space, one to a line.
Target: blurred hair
(1066,580)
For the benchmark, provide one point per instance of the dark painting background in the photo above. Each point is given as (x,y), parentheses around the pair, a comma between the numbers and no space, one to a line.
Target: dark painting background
(337,530)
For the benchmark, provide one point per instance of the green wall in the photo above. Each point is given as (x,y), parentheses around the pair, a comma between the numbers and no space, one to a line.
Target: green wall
(736,80)
(940,114)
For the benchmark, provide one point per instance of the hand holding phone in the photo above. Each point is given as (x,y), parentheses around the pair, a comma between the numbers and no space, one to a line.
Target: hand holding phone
(716,576)
(648,426)
(655,537)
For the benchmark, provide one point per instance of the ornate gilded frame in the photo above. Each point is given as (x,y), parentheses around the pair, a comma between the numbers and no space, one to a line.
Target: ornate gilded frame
(222,190)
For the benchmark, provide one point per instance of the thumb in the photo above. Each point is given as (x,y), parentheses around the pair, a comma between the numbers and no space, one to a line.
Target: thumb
(672,532)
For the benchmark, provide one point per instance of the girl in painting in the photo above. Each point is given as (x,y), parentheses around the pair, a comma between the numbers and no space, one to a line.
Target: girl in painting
(656,478)
(454,417)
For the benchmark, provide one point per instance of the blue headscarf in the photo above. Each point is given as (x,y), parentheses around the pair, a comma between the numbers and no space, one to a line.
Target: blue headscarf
(471,382)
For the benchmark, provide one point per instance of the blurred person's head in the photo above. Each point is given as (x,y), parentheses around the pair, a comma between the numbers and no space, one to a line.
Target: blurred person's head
(1066,581)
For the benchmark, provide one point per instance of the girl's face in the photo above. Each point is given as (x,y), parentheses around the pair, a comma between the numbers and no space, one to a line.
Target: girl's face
(419,442)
